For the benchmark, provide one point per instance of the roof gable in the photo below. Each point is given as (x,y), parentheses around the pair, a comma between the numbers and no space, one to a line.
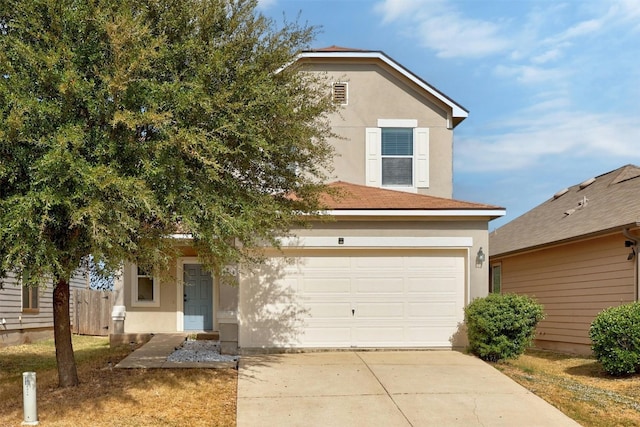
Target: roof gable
(458,112)
(606,202)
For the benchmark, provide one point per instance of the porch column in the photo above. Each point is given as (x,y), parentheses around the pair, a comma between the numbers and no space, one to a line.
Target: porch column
(119,311)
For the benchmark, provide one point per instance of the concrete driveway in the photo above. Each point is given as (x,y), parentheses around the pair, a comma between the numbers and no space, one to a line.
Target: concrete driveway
(384,388)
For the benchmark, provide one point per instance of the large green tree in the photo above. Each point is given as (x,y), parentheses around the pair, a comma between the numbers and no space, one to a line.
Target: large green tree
(123,122)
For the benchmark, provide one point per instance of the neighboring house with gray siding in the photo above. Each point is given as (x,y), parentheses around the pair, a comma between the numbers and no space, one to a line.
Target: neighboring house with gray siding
(576,253)
(26,314)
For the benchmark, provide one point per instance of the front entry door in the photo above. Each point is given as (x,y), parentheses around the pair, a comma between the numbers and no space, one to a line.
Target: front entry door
(198,300)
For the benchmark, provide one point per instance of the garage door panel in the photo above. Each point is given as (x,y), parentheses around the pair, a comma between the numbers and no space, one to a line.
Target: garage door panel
(326,263)
(432,262)
(379,310)
(380,336)
(328,310)
(379,285)
(433,284)
(379,263)
(329,285)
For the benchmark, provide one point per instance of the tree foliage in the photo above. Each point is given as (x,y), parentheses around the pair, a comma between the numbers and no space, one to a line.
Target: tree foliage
(123,122)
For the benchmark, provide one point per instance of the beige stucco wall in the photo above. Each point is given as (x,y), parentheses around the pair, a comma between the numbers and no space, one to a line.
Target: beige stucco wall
(378,92)
(151,319)
(165,317)
(574,282)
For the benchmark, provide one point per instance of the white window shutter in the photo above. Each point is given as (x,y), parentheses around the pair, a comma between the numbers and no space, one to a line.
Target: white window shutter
(421,138)
(373,142)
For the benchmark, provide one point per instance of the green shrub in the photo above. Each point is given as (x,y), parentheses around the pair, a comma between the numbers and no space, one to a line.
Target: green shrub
(615,334)
(501,326)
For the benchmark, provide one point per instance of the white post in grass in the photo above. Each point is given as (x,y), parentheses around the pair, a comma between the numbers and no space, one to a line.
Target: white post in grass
(29,398)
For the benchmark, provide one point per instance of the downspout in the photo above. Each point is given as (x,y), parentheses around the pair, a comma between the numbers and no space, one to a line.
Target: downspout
(634,239)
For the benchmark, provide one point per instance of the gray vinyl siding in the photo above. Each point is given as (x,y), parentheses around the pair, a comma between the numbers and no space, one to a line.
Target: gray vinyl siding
(574,282)
(11,304)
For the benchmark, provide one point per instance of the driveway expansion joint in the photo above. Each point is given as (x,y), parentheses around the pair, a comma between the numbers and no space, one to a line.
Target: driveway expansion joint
(385,389)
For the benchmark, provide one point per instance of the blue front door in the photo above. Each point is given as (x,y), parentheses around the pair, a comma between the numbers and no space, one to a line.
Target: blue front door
(198,300)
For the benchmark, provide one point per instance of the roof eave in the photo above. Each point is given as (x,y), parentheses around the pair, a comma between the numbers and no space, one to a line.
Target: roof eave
(485,213)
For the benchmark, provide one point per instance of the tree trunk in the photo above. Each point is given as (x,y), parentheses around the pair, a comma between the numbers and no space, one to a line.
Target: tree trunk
(67,372)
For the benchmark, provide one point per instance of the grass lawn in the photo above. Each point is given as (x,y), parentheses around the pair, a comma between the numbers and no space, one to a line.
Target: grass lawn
(578,387)
(114,397)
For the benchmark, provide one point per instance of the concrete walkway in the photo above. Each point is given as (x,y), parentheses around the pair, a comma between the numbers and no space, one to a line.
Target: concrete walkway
(384,388)
(154,354)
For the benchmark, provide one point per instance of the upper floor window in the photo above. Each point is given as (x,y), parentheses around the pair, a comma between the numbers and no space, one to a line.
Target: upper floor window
(397,157)
(145,291)
(397,154)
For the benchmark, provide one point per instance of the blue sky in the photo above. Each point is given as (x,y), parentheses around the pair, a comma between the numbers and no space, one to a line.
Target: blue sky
(553,87)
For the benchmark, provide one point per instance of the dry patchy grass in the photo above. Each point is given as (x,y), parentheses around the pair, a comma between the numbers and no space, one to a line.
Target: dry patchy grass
(114,397)
(578,387)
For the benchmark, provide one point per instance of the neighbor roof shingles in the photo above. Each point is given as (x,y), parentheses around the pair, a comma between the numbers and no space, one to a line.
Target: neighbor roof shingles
(612,201)
(359,197)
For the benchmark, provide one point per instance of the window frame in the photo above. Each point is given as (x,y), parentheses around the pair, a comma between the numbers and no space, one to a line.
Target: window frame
(492,287)
(135,281)
(33,293)
(420,167)
(383,156)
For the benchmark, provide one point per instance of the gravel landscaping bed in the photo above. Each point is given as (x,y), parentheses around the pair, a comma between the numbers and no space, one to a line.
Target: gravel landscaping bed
(200,351)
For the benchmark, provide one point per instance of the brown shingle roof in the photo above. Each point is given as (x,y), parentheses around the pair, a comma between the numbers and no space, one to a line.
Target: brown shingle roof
(359,197)
(611,201)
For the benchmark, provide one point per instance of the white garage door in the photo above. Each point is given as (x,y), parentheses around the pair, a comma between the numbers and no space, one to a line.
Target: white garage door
(374,298)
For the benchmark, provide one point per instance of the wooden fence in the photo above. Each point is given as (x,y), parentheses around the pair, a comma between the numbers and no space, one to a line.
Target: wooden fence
(92,312)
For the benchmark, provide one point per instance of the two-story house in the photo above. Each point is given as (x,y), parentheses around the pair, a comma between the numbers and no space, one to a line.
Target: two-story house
(394,269)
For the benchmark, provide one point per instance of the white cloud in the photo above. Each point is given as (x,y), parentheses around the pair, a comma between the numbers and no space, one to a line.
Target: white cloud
(548,56)
(535,139)
(442,28)
(627,11)
(529,74)
(453,36)
(266,4)
(395,9)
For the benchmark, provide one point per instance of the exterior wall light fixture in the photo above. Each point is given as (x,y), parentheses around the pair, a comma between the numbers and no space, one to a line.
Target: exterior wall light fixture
(480,258)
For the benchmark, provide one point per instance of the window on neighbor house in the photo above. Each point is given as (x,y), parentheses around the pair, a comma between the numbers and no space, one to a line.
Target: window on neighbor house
(30,303)
(496,279)
(144,290)
(397,154)
(339,93)
(30,297)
